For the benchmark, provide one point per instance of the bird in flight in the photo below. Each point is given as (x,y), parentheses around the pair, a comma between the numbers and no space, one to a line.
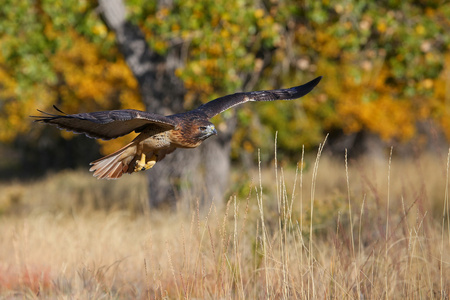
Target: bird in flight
(159,135)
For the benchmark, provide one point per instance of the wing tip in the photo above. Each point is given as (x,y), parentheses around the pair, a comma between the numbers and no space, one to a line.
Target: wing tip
(315,81)
(46,116)
(304,89)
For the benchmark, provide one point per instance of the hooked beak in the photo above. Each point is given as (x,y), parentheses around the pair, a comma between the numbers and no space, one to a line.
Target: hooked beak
(208,131)
(211,130)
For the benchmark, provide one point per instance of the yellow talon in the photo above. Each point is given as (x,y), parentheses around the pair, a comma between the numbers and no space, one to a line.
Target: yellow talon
(142,164)
(151,162)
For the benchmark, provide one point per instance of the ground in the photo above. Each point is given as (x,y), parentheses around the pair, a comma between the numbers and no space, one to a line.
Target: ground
(376,229)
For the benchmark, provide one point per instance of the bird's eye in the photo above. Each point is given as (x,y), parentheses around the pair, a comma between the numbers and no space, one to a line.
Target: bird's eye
(202,128)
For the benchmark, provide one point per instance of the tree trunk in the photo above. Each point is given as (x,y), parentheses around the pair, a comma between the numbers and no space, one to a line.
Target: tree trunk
(195,174)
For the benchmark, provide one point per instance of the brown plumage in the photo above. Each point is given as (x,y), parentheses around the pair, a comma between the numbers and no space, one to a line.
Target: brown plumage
(159,135)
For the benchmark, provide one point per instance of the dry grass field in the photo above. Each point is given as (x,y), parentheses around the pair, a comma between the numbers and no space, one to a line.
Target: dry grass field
(368,229)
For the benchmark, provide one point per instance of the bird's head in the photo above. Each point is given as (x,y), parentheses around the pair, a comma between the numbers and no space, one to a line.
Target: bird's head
(204,130)
(191,132)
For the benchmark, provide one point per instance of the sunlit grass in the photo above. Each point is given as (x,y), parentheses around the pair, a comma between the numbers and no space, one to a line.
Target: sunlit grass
(330,229)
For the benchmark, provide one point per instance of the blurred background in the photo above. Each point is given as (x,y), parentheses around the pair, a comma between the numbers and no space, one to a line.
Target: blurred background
(385,67)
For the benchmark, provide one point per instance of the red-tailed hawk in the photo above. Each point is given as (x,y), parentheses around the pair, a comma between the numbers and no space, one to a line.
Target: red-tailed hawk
(159,135)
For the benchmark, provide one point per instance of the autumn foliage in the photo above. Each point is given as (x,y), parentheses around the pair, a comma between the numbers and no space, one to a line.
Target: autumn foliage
(385,63)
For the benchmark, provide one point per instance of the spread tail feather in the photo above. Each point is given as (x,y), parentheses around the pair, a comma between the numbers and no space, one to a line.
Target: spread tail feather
(115,164)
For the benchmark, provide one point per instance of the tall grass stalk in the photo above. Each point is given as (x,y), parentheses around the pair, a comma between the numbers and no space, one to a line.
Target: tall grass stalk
(313,190)
(386,246)
(350,214)
(259,197)
(445,212)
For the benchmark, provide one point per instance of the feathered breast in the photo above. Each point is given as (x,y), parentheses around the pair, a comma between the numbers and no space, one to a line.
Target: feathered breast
(183,138)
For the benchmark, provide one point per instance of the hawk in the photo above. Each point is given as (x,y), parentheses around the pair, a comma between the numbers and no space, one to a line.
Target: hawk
(159,135)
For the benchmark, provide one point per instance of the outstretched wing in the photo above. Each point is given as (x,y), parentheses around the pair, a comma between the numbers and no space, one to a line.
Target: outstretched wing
(219,105)
(106,124)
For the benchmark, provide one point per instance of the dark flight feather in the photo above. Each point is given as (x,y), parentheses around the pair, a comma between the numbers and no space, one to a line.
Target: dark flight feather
(221,104)
(107,124)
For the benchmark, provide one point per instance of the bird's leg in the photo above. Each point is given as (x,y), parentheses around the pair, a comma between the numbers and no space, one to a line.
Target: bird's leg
(143,164)
(151,162)
(140,164)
